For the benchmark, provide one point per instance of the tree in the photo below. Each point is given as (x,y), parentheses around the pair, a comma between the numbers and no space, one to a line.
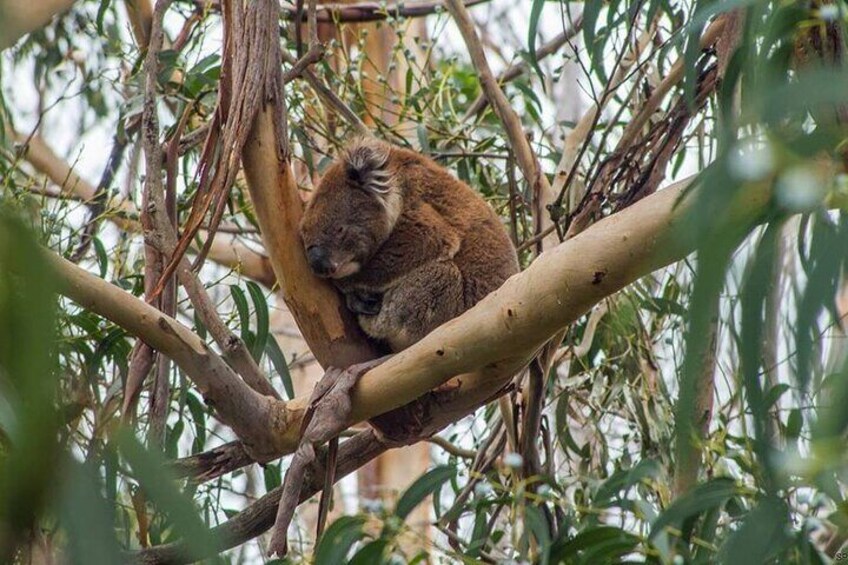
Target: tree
(681,309)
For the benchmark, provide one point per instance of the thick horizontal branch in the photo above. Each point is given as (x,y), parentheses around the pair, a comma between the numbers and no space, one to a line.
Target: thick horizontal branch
(487,344)
(256,419)
(361,12)
(558,288)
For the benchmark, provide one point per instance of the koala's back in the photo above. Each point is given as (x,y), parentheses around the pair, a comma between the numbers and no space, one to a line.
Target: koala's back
(485,256)
(446,252)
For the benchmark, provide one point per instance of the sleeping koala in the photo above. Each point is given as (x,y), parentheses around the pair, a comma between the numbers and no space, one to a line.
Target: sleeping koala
(409,245)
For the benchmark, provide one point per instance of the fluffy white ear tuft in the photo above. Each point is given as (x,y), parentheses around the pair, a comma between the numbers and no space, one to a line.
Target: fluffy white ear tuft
(365,161)
(365,164)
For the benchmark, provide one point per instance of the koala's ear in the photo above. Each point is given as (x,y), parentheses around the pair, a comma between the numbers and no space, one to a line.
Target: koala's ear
(365,165)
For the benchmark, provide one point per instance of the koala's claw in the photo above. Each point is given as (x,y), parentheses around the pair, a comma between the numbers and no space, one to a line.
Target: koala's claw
(325,418)
(329,406)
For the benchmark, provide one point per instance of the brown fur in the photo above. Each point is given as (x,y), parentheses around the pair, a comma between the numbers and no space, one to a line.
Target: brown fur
(408,244)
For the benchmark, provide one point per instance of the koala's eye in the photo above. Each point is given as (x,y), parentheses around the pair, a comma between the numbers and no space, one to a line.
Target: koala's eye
(341,230)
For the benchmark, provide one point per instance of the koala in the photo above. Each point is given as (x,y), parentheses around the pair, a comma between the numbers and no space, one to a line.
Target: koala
(408,245)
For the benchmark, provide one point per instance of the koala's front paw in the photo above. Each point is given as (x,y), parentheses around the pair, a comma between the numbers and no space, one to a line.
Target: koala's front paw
(361,302)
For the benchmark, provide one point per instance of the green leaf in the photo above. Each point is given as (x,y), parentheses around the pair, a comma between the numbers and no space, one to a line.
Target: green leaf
(275,354)
(700,499)
(538,526)
(102,257)
(101,12)
(198,415)
(774,394)
(30,423)
(87,518)
(243,313)
(626,478)
(155,478)
(591,11)
(260,306)
(423,140)
(426,485)
(478,539)
(273,477)
(532,33)
(337,541)
(372,553)
(761,537)
(603,542)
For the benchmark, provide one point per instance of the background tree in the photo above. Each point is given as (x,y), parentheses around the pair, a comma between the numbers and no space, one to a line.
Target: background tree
(687,399)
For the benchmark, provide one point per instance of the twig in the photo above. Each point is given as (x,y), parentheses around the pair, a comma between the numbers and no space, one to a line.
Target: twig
(518,69)
(102,195)
(212,464)
(330,97)
(451,448)
(524,155)
(303,63)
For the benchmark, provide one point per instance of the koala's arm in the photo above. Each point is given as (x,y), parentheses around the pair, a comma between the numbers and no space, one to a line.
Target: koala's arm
(419,302)
(364,302)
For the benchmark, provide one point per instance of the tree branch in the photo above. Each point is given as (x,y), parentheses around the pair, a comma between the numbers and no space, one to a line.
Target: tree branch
(489,342)
(361,12)
(524,155)
(122,213)
(259,421)
(518,69)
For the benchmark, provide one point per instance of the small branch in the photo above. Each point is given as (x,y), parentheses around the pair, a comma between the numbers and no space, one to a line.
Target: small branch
(524,155)
(518,69)
(675,75)
(260,422)
(451,448)
(330,97)
(311,57)
(212,464)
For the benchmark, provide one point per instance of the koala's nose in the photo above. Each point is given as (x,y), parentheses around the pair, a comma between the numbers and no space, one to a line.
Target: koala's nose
(319,260)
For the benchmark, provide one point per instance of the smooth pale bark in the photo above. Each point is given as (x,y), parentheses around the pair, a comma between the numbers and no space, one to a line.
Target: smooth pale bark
(556,289)
(560,286)
(486,344)
(253,417)
(19,17)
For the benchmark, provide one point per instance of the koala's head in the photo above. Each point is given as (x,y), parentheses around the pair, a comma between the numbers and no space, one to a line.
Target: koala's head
(353,210)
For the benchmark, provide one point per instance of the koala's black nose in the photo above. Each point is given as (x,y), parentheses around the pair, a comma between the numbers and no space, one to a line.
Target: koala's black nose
(319,260)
